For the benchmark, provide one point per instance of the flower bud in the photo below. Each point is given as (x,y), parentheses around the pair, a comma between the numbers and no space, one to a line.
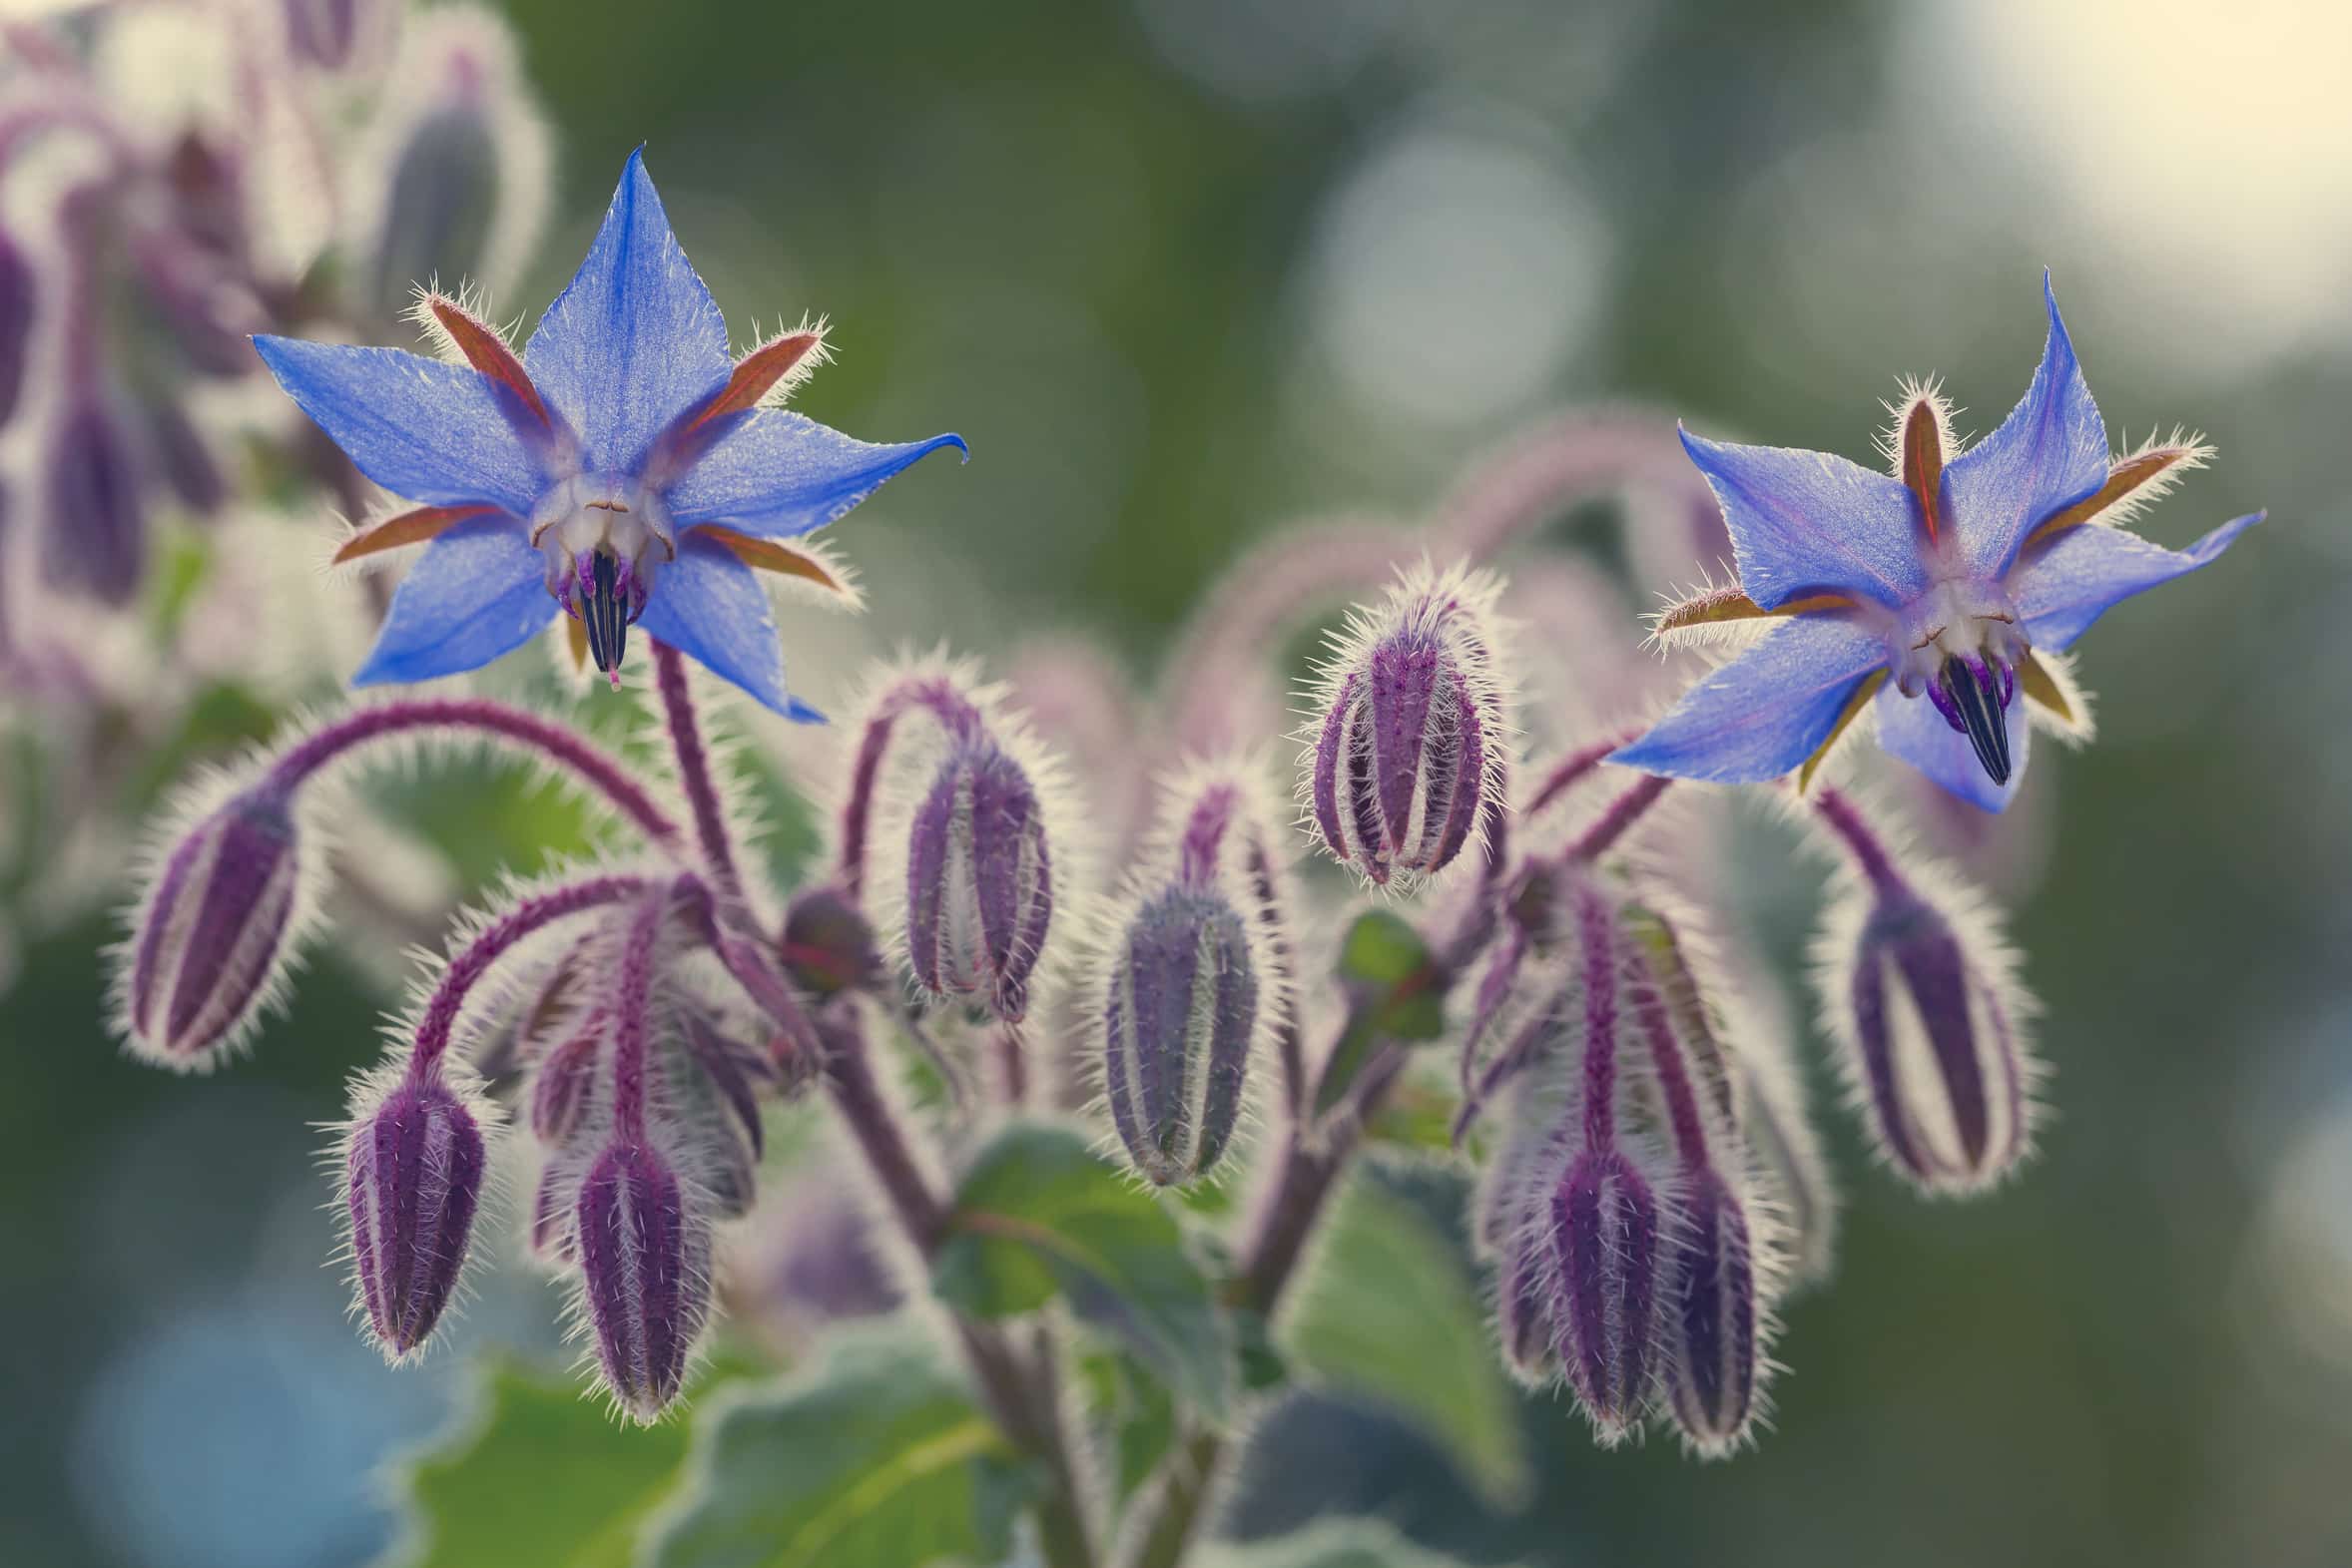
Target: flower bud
(1407,752)
(1712,1313)
(980,881)
(554,1206)
(413,1179)
(17,300)
(1928,1018)
(1604,1245)
(96,519)
(331,34)
(828,946)
(644,1253)
(1180,1008)
(732,1070)
(213,938)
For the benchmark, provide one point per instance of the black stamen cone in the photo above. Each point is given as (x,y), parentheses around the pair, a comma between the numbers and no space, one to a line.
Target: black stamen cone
(604,613)
(1976,699)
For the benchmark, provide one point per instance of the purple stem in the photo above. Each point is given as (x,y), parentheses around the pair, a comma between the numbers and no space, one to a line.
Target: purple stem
(1570,768)
(1854,830)
(633,1005)
(1579,453)
(495,940)
(694,770)
(1597,935)
(955,713)
(551,741)
(1622,813)
(1673,1069)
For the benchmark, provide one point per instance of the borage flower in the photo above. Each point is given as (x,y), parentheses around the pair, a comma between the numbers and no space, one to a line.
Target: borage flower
(623,468)
(1958,580)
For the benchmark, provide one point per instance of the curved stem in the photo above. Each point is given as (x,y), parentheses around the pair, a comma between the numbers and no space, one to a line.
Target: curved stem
(551,742)
(1845,820)
(1570,768)
(1579,453)
(955,713)
(1622,813)
(694,770)
(493,943)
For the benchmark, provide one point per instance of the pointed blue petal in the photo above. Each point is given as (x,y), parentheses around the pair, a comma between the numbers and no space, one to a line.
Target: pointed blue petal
(636,340)
(779,476)
(429,431)
(477,591)
(710,606)
(2087,570)
(2051,452)
(1911,728)
(802,713)
(1763,714)
(1809,522)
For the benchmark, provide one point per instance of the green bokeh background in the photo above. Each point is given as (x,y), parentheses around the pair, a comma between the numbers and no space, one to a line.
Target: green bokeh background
(1035,223)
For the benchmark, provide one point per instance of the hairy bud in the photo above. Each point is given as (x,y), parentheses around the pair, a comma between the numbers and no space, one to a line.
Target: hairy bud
(980,881)
(1606,1246)
(17,300)
(413,1180)
(211,942)
(1407,753)
(96,518)
(644,1253)
(1712,1313)
(563,1091)
(1180,1008)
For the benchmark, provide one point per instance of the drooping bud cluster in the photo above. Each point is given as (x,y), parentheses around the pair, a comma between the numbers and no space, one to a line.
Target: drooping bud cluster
(1411,725)
(413,1173)
(212,941)
(966,808)
(1190,979)
(1920,993)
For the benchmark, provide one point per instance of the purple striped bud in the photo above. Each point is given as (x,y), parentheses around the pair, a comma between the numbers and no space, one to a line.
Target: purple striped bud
(1934,1049)
(1712,1318)
(554,1206)
(413,1179)
(97,523)
(1606,1246)
(211,943)
(17,297)
(1406,752)
(1527,1309)
(645,1255)
(980,881)
(1180,1012)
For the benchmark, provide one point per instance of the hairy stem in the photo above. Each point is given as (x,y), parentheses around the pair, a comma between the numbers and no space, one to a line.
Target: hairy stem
(1844,817)
(495,942)
(1613,824)
(1022,1402)
(551,742)
(694,771)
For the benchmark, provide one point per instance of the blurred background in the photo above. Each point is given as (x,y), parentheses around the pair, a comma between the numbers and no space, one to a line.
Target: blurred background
(1184,270)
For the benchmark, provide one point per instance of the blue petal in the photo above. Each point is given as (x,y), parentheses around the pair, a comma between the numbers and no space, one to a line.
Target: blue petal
(2089,569)
(1911,728)
(636,340)
(2051,452)
(709,606)
(1809,522)
(477,591)
(429,431)
(802,713)
(1763,714)
(779,476)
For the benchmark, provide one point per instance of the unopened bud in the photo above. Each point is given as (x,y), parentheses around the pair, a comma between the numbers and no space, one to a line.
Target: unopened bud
(644,1254)
(1527,1280)
(212,940)
(1929,1020)
(827,945)
(97,524)
(563,1091)
(412,1175)
(17,292)
(1407,748)
(1711,1317)
(1604,1244)
(1180,1010)
(333,34)
(980,881)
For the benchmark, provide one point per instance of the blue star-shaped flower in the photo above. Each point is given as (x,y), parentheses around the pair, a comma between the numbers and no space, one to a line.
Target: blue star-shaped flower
(623,468)
(1947,592)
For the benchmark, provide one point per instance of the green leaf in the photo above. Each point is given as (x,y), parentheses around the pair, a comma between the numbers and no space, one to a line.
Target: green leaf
(873,1458)
(544,1478)
(1388,1315)
(1338,1543)
(1392,981)
(1041,1215)
(1135,1413)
